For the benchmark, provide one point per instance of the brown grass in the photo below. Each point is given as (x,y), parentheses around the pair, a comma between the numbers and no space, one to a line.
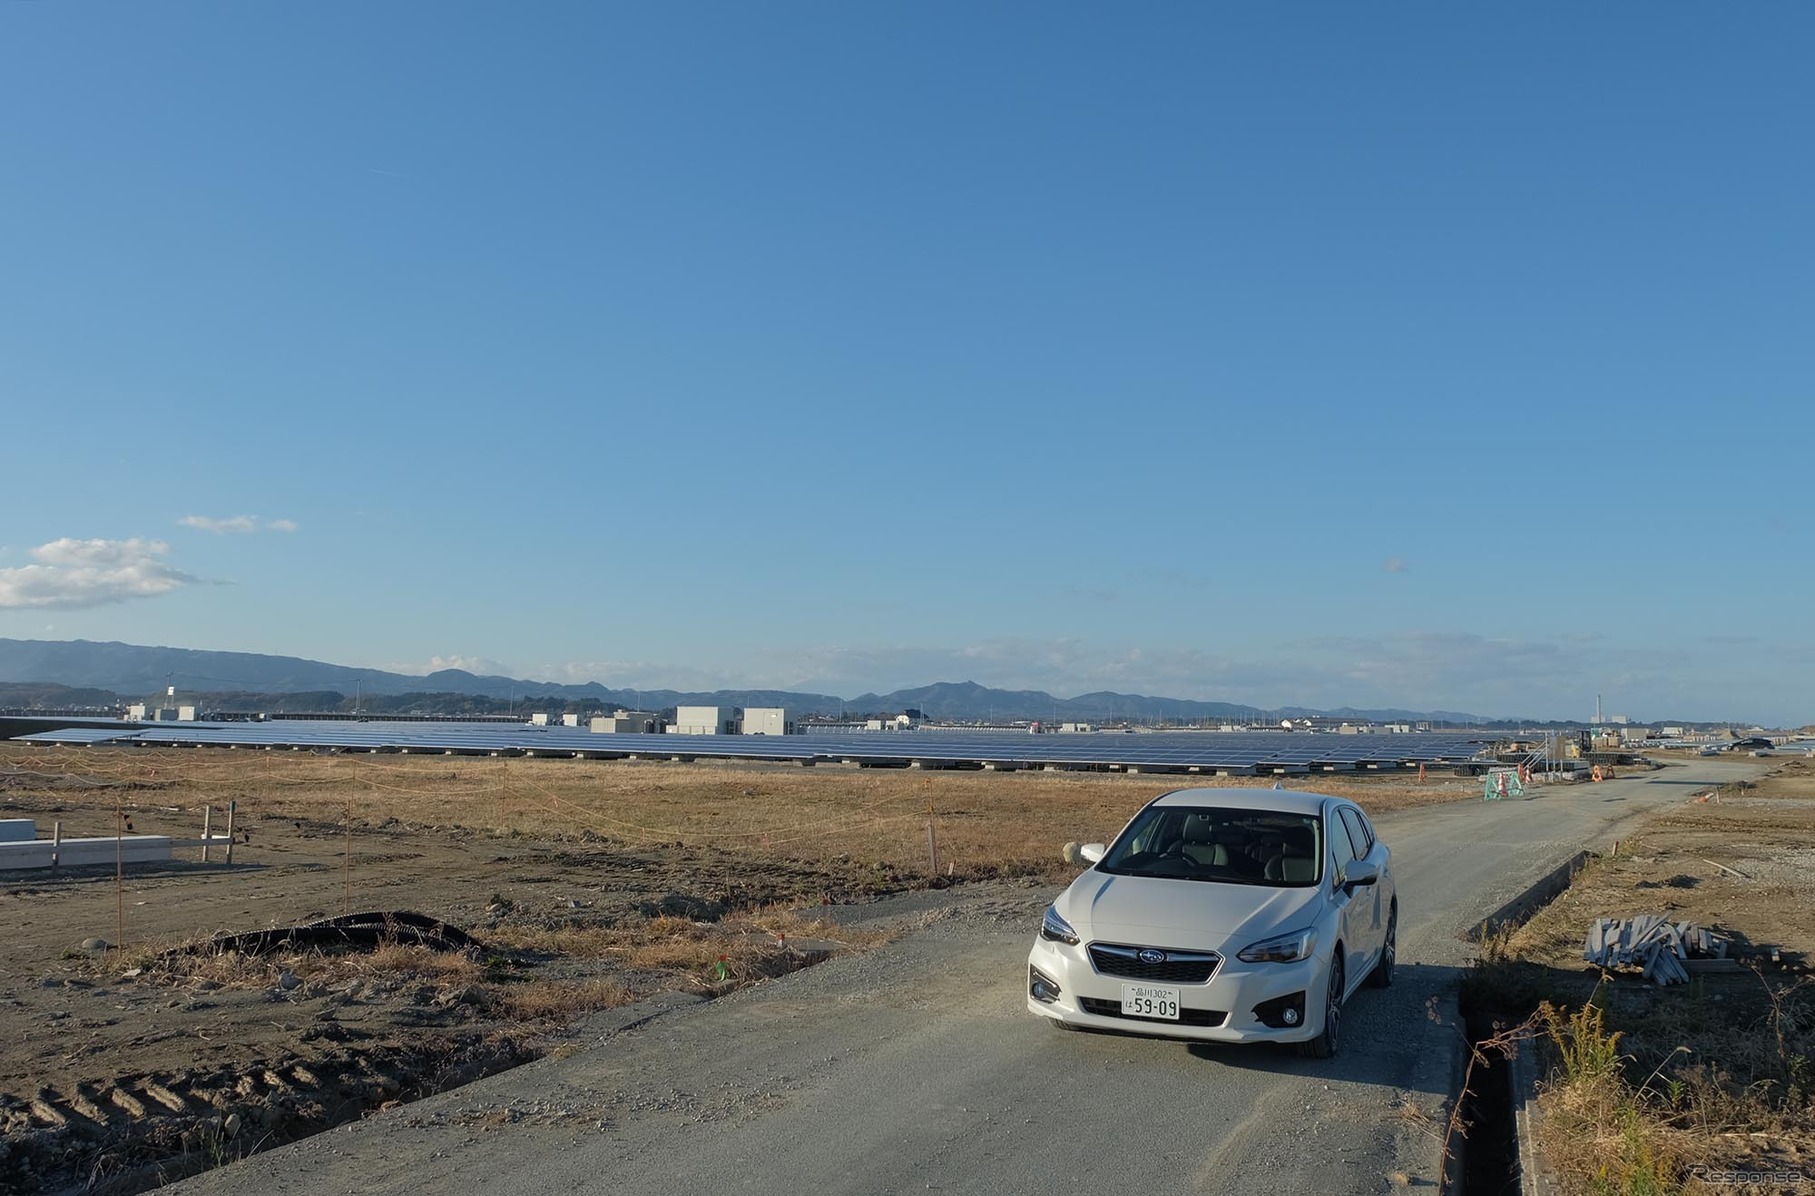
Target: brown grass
(560,1001)
(751,944)
(172,964)
(985,823)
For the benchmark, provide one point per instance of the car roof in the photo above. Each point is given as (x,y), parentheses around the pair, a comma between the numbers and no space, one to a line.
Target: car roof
(1286,801)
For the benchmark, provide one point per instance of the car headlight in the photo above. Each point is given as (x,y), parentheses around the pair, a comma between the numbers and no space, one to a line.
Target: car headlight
(1281,948)
(1057,929)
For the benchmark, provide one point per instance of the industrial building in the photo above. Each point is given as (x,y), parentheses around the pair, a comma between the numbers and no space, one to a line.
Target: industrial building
(706,720)
(767,720)
(629,722)
(142,712)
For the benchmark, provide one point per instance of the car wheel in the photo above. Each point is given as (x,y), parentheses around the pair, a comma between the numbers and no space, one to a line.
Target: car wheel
(1324,1045)
(1382,975)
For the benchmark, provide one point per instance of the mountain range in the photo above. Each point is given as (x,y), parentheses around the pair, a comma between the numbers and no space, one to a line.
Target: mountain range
(135,672)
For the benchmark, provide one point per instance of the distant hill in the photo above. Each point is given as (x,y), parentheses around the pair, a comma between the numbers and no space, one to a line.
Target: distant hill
(967,700)
(239,679)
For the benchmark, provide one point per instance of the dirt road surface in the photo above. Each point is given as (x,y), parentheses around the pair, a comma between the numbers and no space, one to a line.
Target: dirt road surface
(916,1068)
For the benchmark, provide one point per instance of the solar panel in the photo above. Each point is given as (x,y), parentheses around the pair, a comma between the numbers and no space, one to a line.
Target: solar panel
(1204,752)
(77,735)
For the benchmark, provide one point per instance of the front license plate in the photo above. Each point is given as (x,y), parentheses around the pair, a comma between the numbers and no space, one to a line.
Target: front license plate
(1150,1000)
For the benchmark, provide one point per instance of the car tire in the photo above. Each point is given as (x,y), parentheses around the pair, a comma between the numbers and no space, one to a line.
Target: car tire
(1382,975)
(1327,1040)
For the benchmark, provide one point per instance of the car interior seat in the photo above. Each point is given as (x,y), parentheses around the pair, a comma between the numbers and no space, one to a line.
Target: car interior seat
(1199,842)
(1296,862)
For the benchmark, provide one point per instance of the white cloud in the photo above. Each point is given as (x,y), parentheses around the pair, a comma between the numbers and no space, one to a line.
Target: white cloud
(482,666)
(645,674)
(71,574)
(242,525)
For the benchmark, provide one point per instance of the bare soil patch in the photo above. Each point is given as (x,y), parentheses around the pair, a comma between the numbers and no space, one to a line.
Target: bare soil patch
(585,884)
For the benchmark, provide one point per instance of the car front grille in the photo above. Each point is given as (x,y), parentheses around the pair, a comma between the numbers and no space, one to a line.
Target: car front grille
(1186,1017)
(1174,967)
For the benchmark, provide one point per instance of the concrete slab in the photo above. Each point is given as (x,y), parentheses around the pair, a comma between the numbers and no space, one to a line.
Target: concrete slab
(18,830)
(88,853)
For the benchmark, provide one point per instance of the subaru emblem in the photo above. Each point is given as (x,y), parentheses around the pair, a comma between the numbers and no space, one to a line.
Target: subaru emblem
(1149,955)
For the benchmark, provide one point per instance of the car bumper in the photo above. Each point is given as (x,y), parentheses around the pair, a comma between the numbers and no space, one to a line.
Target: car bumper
(1235,989)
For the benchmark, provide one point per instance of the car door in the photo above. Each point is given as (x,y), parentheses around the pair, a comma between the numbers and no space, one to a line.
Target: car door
(1352,913)
(1368,847)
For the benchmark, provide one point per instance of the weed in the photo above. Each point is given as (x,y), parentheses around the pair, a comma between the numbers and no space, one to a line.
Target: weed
(1590,1053)
(1599,1132)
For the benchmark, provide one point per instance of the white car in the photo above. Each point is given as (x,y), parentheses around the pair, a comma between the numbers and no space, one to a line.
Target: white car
(1222,915)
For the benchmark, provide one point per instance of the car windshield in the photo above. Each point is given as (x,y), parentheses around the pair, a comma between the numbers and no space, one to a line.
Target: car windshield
(1228,846)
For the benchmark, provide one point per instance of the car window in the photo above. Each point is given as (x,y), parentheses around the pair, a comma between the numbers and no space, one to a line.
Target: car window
(1359,834)
(1227,846)
(1341,848)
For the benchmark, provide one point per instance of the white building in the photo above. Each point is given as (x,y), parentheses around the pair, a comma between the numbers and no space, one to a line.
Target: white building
(705,720)
(767,720)
(628,722)
(140,712)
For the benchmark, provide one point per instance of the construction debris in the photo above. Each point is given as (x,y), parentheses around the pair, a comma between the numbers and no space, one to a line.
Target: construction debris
(1724,868)
(1664,949)
(348,930)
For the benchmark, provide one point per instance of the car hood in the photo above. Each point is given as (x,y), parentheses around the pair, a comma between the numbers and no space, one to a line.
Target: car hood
(1182,913)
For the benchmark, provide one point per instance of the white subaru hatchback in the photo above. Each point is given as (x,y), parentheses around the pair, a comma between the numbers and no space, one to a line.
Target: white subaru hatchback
(1223,915)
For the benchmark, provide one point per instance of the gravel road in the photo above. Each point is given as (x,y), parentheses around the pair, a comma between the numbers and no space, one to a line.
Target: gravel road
(916,1067)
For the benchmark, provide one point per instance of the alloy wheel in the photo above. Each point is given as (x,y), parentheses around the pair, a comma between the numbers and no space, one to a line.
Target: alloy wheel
(1382,975)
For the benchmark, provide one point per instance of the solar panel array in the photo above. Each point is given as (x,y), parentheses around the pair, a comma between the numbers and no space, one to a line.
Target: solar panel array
(76,735)
(1239,753)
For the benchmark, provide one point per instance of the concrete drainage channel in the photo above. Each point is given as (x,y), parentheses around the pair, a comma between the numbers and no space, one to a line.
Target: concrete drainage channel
(1490,1142)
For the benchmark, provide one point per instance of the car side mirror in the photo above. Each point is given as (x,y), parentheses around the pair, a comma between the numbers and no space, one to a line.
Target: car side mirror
(1092,853)
(1358,873)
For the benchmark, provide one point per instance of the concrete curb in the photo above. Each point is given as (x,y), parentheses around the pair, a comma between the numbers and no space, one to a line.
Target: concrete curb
(1542,892)
(1534,1178)
(1446,1018)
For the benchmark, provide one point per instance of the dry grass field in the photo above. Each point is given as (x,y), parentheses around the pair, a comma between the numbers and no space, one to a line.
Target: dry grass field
(586,884)
(985,823)
(1683,1089)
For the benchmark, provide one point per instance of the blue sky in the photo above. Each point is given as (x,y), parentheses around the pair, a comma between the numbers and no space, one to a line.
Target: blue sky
(1323,354)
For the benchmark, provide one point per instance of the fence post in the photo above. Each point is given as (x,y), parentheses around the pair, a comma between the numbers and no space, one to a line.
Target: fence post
(230,807)
(207,814)
(56,843)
